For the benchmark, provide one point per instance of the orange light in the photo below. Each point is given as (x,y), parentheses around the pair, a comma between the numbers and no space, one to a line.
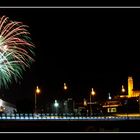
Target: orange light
(92,92)
(123,90)
(85,102)
(37,90)
(65,86)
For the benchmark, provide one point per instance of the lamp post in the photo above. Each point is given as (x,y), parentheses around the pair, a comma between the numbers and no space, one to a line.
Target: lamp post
(91,94)
(37,92)
(65,98)
(56,105)
(65,90)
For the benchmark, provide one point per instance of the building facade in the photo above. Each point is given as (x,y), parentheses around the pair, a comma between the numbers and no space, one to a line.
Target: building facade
(131,91)
(6,107)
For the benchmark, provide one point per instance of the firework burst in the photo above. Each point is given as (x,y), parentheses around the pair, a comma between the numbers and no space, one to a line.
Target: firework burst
(16,50)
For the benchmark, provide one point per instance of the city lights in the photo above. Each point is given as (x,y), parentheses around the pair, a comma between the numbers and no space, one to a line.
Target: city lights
(61,72)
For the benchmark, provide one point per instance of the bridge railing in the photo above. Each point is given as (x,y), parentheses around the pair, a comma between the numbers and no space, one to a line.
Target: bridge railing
(61,116)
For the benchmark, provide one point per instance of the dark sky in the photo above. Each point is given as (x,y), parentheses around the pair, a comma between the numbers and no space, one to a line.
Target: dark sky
(85,48)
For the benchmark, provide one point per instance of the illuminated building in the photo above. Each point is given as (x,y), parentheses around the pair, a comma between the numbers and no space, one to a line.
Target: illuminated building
(6,107)
(111,106)
(130,86)
(131,91)
(127,101)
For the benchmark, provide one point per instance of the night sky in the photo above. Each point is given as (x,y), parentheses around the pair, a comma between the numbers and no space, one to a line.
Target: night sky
(85,48)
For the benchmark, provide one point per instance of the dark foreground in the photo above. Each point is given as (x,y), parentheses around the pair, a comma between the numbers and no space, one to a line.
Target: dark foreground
(69,126)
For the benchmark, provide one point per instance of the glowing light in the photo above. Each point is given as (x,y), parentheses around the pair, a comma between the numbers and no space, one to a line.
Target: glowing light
(85,102)
(65,86)
(16,50)
(38,90)
(123,90)
(92,92)
(109,96)
(56,103)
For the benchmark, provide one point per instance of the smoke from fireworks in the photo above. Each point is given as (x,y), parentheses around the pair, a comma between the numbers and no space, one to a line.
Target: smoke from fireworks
(16,50)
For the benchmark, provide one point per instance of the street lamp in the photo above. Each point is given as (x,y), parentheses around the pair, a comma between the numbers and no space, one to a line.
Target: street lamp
(85,102)
(123,89)
(65,91)
(65,86)
(37,92)
(91,94)
(56,105)
(109,96)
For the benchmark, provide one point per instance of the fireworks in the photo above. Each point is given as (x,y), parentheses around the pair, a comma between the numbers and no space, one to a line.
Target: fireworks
(16,50)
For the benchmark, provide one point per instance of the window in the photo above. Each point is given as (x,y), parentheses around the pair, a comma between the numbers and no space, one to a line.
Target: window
(111,110)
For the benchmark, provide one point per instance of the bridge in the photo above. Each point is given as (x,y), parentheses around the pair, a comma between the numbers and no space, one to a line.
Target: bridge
(20,122)
(62,117)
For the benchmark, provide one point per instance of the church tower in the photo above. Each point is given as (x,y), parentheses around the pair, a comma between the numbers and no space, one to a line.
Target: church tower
(130,87)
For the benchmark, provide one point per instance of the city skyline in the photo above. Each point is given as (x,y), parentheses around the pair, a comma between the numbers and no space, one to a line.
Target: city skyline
(84,48)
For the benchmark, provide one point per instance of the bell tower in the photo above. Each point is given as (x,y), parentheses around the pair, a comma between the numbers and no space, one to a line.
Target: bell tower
(130,86)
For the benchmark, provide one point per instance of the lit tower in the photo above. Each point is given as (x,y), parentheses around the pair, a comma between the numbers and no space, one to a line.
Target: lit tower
(130,87)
